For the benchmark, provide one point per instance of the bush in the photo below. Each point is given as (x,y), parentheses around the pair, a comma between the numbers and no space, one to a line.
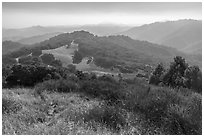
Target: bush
(77,58)
(56,63)
(21,52)
(29,75)
(105,62)
(180,74)
(173,111)
(8,60)
(124,69)
(102,89)
(186,117)
(36,61)
(175,75)
(25,60)
(10,106)
(111,116)
(47,58)
(36,52)
(71,68)
(107,78)
(155,80)
(84,76)
(156,76)
(60,85)
(193,78)
(6,71)
(155,110)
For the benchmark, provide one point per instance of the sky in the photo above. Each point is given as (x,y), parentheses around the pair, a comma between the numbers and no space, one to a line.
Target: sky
(22,14)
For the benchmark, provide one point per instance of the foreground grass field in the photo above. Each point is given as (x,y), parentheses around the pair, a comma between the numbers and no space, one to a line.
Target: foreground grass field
(75,114)
(139,109)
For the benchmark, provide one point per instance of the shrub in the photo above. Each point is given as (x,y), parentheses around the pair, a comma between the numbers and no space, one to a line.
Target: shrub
(21,52)
(102,89)
(8,60)
(107,78)
(175,75)
(36,61)
(60,85)
(171,110)
(6,71)
(193,78)
(56,63)
(29,75)
(111,116)
(83,76)
(105,62)
(10,106)
(186,118)
(156,75)
(125,70)
(77,58)
(71,68)
(180,74)
(154,80)
(155,110)
(36,52)
(47,58)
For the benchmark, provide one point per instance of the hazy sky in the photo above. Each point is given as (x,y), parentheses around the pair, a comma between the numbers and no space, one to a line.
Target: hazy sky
(18,15)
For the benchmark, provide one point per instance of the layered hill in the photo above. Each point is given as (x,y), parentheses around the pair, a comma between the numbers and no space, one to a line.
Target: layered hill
(38,38)
(17,34)
(184,35)
(34,34)
(10,46)
(110,51)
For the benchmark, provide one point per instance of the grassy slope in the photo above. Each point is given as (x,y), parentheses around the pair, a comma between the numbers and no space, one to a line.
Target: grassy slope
(65,56)
(28,120)
(75,114)
(141,112)
(62,53)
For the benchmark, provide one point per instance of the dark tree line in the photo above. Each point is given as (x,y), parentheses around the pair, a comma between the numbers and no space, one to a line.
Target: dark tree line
(179,74)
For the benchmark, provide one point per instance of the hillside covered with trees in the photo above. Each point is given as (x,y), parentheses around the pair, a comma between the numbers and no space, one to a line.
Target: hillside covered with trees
(114,50)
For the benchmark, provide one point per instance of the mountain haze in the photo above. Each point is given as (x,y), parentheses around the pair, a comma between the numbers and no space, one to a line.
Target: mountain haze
(183,35)
(37,33)
(38,38)
(10,46)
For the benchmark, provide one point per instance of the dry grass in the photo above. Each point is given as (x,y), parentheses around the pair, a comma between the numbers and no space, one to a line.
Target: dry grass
(33,118)
(141,110)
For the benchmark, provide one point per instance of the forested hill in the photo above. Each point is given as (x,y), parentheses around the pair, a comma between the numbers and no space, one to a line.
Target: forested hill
(115,50)
(10,46)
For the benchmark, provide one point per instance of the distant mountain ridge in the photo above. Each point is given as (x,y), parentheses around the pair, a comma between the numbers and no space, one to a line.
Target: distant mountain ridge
(38,38)
(184,35)
(177,34)
(37,31)
(10,46)
(113,49)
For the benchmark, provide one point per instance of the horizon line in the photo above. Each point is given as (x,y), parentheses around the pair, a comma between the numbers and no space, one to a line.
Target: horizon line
(103,23)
